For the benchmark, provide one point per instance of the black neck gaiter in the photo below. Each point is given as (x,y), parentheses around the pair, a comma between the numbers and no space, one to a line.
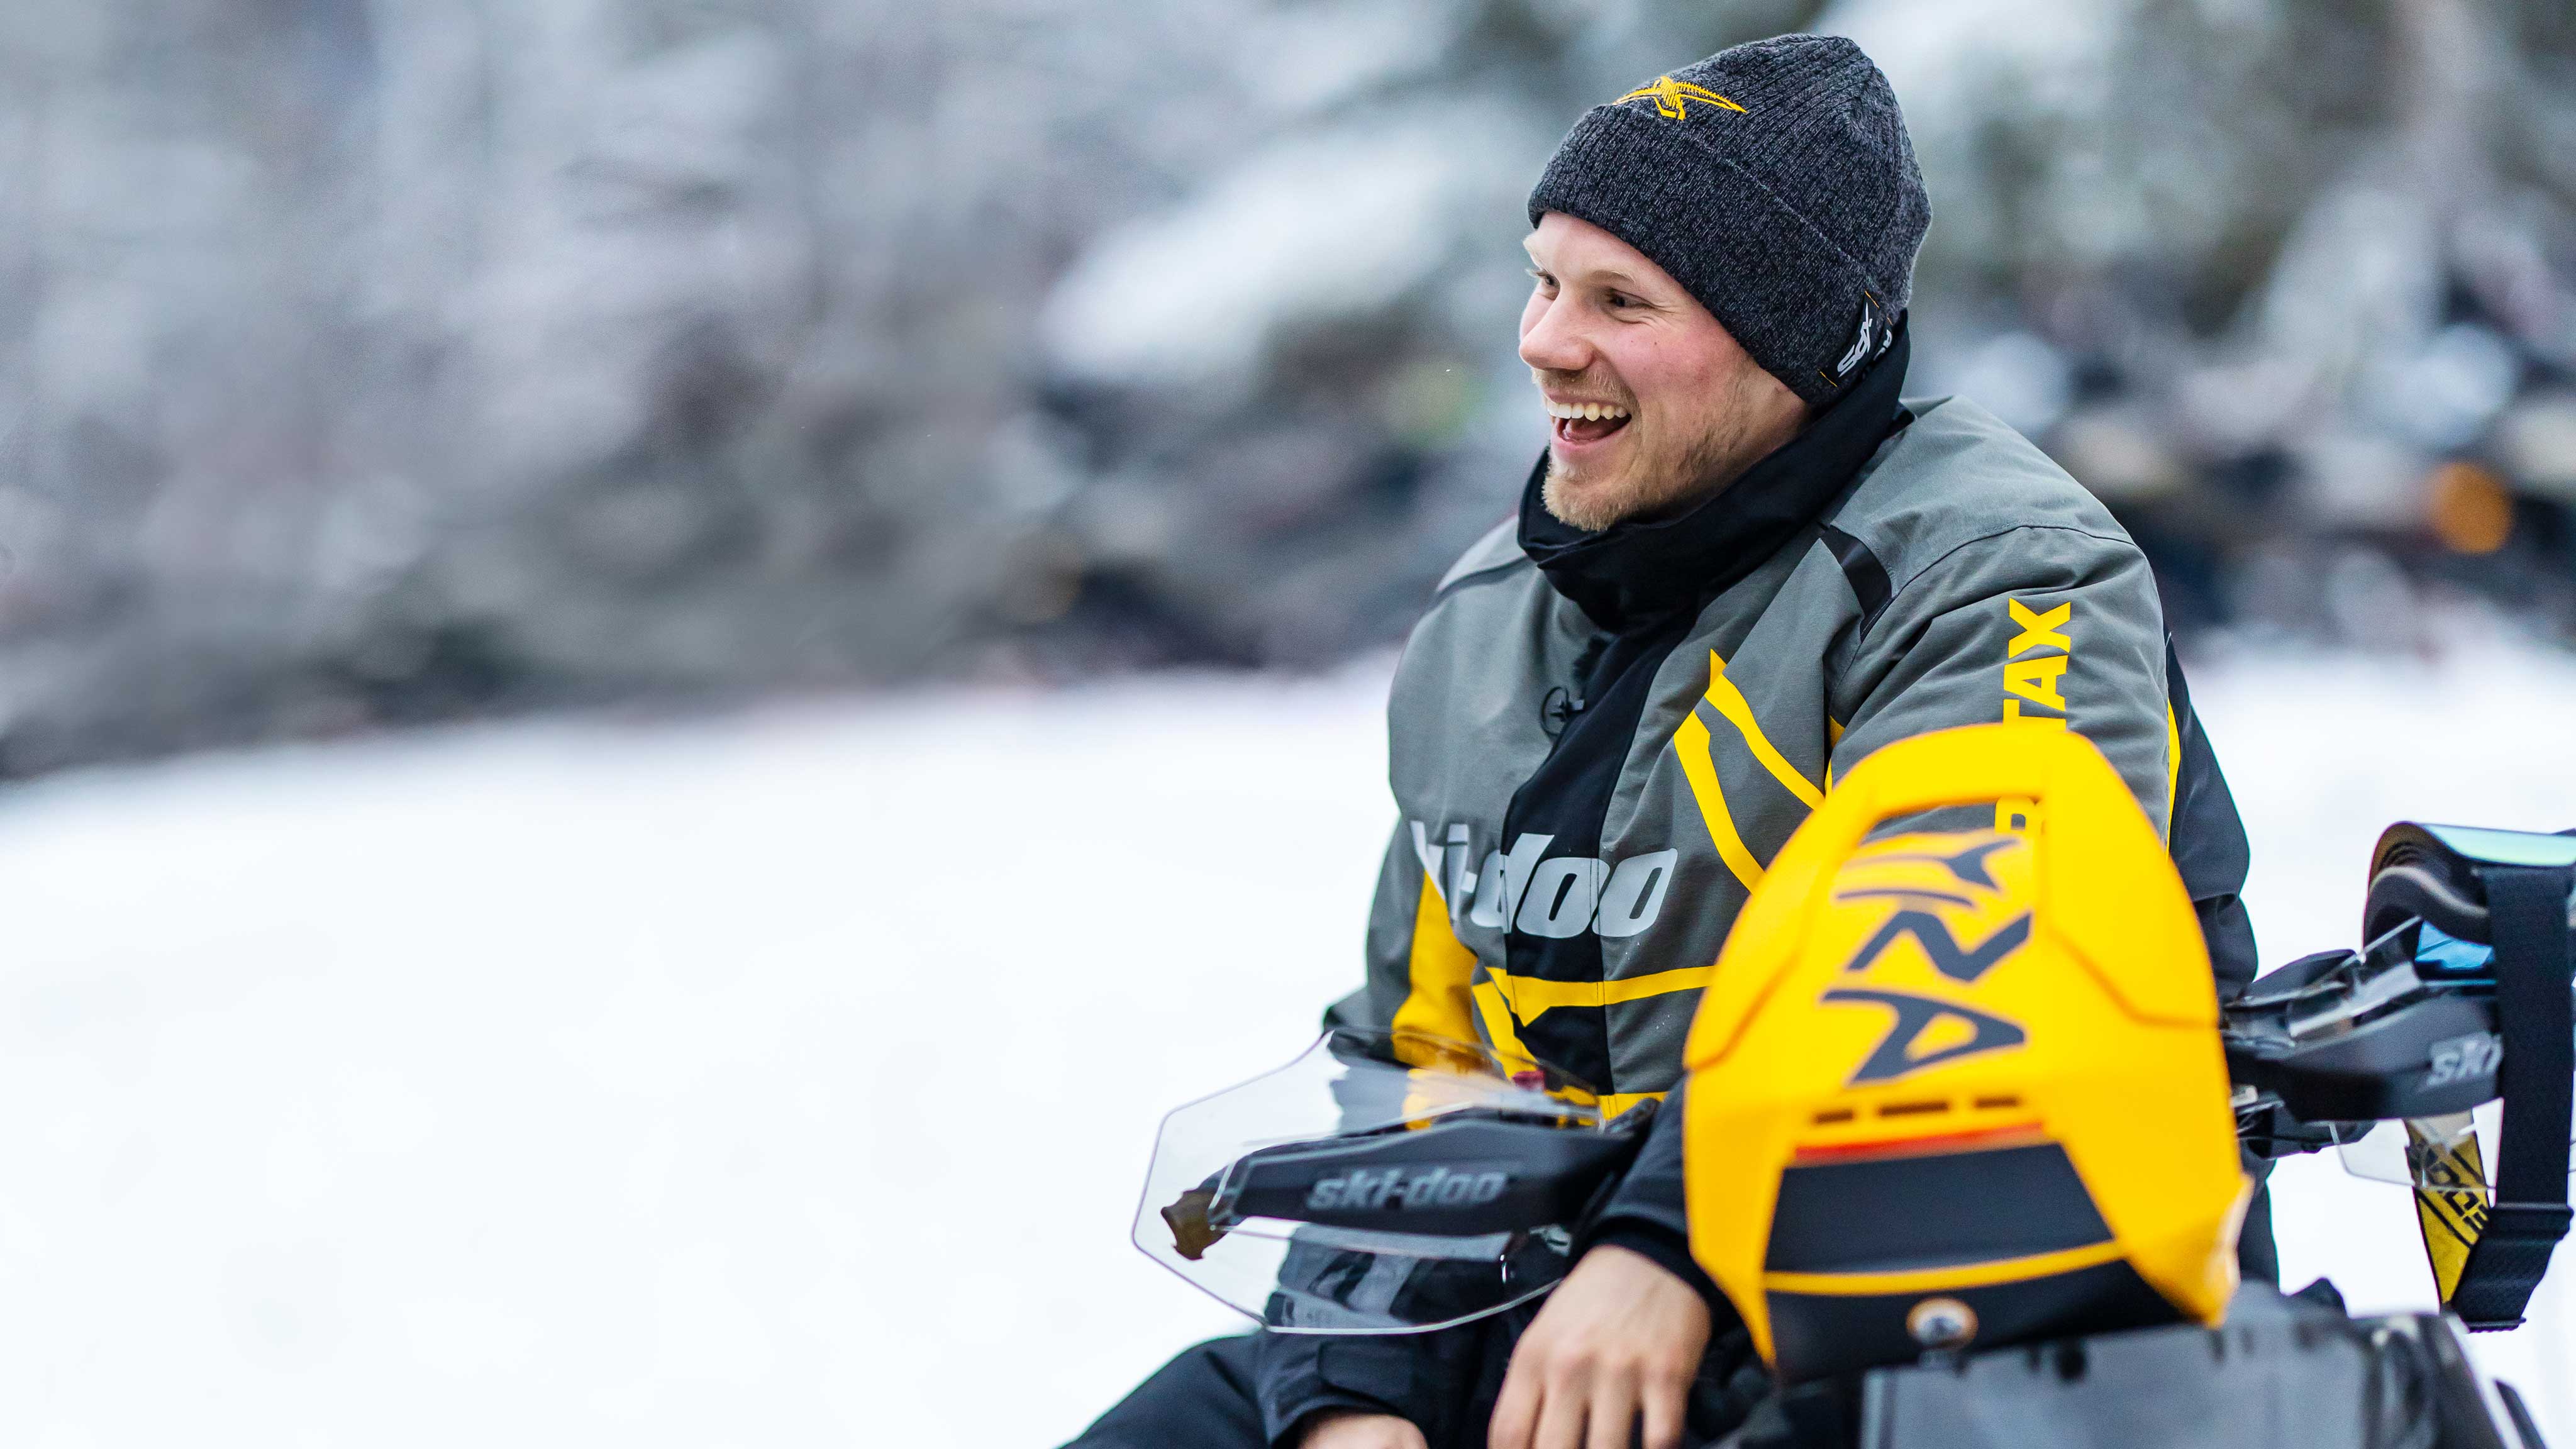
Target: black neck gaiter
(1633,571)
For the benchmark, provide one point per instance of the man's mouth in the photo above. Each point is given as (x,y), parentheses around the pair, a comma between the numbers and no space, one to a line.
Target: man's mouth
(1585,422)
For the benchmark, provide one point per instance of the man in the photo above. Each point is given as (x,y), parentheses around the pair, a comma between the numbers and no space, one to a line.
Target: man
(1742,566)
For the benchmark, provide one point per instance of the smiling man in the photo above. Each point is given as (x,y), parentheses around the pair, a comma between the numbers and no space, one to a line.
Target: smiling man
(1614,455)
(1742,566)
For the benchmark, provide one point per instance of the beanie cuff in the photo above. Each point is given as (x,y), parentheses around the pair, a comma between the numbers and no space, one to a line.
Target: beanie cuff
(1789,296)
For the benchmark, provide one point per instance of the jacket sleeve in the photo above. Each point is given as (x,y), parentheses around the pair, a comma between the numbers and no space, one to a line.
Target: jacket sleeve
(1645,1213)
(2056,627)
(2209,844)
(1419,974)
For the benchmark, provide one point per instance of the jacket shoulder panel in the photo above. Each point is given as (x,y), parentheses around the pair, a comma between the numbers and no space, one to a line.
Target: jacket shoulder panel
(1956,475)
(1497,550)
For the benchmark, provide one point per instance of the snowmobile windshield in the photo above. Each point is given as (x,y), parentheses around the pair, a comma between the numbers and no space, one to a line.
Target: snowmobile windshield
(2453,1155)
(2441,1153)
(1383,1182)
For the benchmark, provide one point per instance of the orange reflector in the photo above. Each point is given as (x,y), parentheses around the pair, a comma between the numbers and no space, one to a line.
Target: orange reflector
(2469,508)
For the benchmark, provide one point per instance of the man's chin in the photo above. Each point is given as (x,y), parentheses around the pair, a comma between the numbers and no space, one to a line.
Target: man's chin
(1591,503)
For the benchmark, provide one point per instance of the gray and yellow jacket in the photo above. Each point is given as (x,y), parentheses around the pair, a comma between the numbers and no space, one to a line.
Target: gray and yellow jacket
(1597,741)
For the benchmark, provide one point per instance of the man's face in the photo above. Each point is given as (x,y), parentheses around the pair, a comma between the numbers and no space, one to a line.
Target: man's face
(1652,405)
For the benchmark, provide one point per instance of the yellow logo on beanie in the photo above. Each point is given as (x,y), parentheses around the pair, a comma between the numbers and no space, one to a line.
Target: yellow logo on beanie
(1672,98)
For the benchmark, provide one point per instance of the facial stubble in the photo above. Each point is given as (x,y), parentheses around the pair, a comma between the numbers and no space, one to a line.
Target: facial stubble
(1657,481)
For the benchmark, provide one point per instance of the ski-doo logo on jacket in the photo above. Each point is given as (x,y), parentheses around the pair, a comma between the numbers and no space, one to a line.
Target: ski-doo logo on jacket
(1523,888)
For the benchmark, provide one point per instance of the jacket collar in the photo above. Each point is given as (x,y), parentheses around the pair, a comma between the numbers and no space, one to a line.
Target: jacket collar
(1631,571)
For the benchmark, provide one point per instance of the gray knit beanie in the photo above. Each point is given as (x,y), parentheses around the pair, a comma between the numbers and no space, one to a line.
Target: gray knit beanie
(1774,181)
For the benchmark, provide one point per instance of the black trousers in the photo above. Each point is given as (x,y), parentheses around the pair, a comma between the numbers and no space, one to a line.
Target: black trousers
(1202,1399)
(1205,1398)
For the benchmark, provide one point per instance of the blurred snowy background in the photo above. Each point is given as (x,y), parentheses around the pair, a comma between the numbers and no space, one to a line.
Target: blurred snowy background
(372,361)
(857,399)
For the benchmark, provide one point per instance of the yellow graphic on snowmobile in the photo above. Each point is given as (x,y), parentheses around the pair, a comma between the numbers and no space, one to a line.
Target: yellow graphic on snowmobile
(1959,1086)
(2451,1197)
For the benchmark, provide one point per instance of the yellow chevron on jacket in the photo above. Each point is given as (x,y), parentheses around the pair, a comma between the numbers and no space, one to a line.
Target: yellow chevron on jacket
(1730,703)
(1692,743)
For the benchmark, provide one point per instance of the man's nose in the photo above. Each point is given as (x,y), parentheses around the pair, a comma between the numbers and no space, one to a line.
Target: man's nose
(1554,343)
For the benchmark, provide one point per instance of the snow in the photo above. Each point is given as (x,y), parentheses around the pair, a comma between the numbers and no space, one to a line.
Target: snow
(787,1078)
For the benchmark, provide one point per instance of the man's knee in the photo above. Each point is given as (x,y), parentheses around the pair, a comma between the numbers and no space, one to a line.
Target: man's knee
(1203,1397)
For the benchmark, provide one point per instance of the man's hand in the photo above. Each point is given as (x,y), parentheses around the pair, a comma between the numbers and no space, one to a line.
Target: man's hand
(1619,1338)
(1350,1429)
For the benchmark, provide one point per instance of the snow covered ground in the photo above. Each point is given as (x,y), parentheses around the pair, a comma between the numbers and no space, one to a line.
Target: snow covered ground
(786,1079)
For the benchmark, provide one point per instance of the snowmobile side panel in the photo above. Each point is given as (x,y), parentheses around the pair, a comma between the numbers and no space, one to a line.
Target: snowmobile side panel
(2282,1374)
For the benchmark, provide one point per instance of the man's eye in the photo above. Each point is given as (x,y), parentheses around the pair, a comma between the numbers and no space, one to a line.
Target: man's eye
(1618,299)
(1542,278)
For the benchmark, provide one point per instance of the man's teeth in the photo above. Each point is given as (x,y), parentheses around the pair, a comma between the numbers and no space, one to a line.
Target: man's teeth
(1595,412)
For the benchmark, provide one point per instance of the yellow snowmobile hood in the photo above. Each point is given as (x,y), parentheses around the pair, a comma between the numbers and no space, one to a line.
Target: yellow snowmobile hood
(1963,1087)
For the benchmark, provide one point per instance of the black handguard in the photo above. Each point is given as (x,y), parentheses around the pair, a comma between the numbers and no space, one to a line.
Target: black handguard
(2336,1041)
(2461,996)
(1458,1176)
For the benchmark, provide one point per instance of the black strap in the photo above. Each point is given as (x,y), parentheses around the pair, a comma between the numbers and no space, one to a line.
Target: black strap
(2527,916)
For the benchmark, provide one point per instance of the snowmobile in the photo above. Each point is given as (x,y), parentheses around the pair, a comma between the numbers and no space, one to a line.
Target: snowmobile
(1962,1195)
